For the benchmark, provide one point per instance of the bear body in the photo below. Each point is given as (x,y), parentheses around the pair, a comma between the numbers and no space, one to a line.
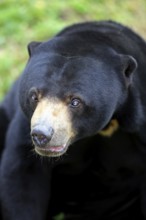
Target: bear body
(72,88)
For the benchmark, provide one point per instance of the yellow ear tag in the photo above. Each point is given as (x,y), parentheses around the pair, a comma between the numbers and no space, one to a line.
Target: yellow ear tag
(110,129)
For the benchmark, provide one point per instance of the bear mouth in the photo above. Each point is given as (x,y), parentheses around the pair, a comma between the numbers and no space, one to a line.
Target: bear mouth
(51,151)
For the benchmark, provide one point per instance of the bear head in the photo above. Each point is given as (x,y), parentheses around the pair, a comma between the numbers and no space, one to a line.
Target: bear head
(70,90)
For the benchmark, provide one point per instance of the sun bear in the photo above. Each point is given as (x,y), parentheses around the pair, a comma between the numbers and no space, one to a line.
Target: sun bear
(73,128)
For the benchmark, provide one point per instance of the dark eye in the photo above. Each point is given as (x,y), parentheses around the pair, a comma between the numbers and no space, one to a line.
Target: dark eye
(33,95)
(75,102)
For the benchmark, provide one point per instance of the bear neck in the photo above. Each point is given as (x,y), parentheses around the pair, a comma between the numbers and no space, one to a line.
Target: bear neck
(131,117)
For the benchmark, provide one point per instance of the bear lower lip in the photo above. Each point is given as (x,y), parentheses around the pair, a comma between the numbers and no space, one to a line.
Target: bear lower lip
(51,151)
(56,148)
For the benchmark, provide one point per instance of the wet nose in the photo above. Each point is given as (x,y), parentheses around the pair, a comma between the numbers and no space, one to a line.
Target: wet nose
(41,135)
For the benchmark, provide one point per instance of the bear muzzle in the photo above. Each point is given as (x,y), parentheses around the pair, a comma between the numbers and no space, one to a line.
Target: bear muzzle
(45,144)
(51,128)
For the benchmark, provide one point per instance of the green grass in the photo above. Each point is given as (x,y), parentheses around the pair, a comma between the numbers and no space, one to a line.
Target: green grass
(24,21)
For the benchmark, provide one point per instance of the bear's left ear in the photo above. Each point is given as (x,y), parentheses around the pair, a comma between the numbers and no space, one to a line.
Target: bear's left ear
(31,47)
(129,64)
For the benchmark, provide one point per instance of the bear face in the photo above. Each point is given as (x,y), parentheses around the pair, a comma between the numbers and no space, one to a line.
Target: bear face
(70,92)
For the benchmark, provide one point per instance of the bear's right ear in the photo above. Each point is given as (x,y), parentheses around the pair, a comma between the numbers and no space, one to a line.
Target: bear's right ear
(129,65)
(31,47)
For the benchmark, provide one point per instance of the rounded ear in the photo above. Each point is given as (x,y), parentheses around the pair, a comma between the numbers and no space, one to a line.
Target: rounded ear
(129,66)
(31,47)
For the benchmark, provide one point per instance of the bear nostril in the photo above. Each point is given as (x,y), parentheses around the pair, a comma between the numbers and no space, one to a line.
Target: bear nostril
(40,140)
(39,137)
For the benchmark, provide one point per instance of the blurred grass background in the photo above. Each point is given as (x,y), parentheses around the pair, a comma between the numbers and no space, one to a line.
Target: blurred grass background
(24,21)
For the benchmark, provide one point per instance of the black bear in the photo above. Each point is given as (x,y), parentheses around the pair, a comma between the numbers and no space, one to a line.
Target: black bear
(81,105)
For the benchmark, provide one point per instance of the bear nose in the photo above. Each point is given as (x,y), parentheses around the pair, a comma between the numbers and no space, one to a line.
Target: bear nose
(41,136)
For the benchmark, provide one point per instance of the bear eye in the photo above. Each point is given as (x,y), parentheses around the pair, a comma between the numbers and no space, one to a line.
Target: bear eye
(75,102)
(33,95)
